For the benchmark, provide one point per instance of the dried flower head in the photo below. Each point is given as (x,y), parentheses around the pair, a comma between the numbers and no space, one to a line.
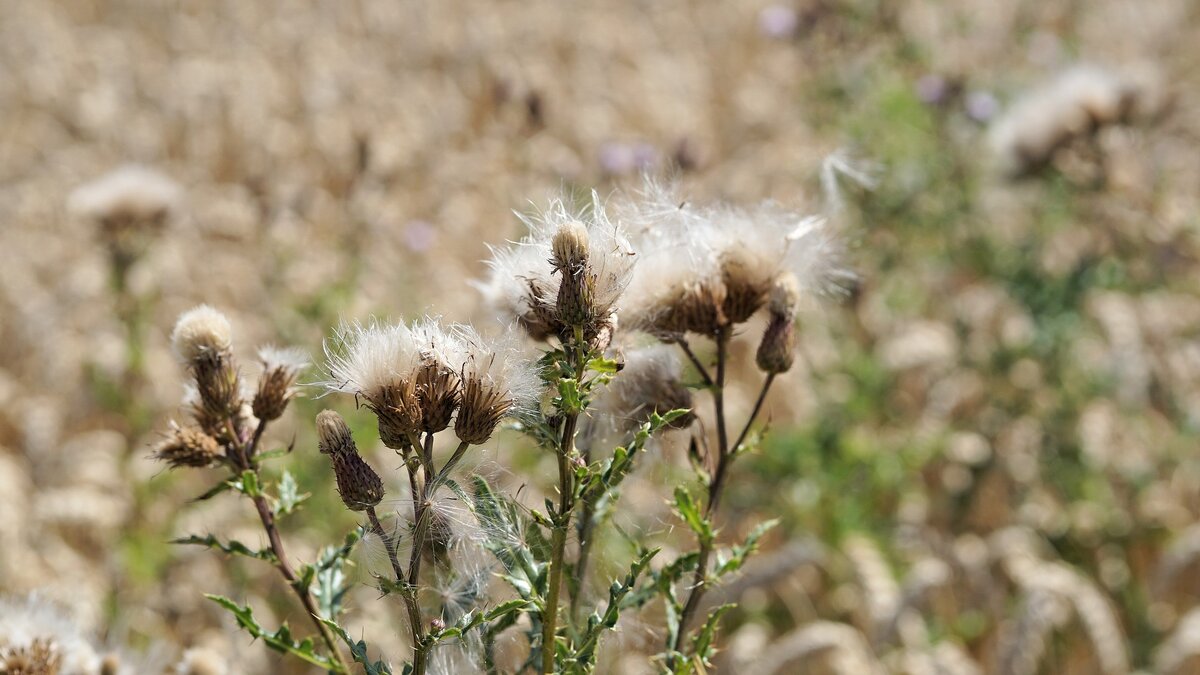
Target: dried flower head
(1073,104)
(188,446)
(568,272)
(276,385)
(405,375)
(35,632)
(358,484)
(129,206)
(40,657)
(134,194)
(498,381)
(706,268)
(650,382)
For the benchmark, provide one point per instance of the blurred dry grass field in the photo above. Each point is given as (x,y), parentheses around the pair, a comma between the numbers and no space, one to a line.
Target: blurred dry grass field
(985,463)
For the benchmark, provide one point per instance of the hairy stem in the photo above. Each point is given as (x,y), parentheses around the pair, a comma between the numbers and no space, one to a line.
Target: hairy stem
(267,516)
(758,404)
(696,363)
(562,522)
(410,598)
(724,459)
(420,531)
(586,539)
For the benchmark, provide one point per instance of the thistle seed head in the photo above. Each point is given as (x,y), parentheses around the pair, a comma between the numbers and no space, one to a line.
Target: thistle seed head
(357,483)
(498,381)
(188,446)
(218,386)
(567,273)
(707,268)
(276,385)
(437,390)
(483,406)
(398,411)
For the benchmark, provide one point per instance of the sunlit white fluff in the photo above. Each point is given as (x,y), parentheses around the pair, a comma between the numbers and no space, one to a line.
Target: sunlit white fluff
(291,359)
(502,362)
(721,249)
(364,359)
(33,617)
(199,332)
(521,287)
(132,192)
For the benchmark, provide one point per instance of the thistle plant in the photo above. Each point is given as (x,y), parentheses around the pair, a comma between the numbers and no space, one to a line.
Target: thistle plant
(614,305)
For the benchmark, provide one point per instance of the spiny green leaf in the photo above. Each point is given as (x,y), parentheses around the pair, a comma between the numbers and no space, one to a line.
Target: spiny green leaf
(598,623)
(603,365)
(232,548)
(223,486)
(739,553)
(689,511)
(331,585)
(358,651)
(289,494)
(281,640)
(702,641)
(570,398)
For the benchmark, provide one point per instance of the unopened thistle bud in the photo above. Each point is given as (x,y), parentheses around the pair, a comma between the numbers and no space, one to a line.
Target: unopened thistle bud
(776,352)
(357,483)
(575,306)
(437,625)
(188,446)
(276,385)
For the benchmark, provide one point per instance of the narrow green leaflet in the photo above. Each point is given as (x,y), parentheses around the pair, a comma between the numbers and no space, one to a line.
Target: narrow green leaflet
(584,657)
(742,551)
(689,510)
(358,651)
(702,641)
(233,547)
(281,640)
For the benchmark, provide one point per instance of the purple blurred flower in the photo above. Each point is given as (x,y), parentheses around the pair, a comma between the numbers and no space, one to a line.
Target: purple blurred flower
(619,158)
(419,235)
(778,21)
(981,106)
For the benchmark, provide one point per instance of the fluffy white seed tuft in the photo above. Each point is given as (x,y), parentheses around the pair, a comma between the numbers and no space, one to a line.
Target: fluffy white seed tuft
(201,332)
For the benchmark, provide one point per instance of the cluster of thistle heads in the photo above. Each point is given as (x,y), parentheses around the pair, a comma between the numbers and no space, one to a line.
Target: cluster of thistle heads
(626,284)
(223,407)
(662,267)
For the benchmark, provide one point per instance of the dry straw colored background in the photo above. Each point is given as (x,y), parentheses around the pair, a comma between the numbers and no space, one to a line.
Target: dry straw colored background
(987,461)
